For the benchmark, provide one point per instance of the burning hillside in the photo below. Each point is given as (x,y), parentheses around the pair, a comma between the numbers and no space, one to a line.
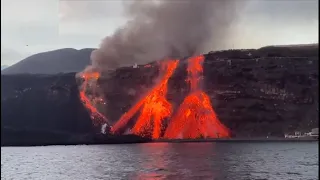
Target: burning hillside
(255,93)
(90,103)
(163,30)
(155,106)
(230,90)
(194,118)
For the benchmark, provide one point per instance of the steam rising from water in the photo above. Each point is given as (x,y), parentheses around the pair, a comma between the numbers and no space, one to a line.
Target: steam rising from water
(165,29)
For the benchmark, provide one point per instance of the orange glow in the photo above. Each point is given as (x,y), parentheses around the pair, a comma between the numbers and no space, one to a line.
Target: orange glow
(96,116)
(155,107)
(195,117)
(195,71)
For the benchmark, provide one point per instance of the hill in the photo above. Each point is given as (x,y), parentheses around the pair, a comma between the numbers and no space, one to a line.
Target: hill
(3,67)
(52,62)
(255,93)
(72,60)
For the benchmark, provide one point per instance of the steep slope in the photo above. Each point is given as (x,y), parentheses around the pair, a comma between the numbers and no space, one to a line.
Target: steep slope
(46,110)
(255,93)
(43,102)
(264,92)
(52,62)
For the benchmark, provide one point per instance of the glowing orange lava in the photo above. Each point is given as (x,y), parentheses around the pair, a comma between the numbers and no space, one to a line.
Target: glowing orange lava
(195,117)
(155,107)
(96,116)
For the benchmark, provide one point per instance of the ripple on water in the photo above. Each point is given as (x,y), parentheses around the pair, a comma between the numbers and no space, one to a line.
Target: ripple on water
(163,161)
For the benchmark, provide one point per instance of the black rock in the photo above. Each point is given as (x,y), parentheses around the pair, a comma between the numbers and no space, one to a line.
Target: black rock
(255,93)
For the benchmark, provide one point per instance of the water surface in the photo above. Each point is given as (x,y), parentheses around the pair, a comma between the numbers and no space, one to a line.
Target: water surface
(287,160)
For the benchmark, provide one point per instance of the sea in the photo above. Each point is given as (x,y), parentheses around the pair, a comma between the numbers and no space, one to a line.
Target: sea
(206,160)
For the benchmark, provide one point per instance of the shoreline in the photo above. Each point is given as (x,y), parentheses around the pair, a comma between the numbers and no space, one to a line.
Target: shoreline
(232,140)
(238,140)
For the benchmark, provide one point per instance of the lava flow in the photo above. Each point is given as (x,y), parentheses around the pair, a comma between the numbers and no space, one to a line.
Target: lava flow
(96,116)
(155,107)
(195,117)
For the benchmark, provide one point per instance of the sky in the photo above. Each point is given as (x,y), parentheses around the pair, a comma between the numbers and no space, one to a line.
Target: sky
(33,26)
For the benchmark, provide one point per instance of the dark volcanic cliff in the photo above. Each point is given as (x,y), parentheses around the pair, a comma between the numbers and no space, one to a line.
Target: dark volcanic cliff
(264,92)
(41,106)
(46,109)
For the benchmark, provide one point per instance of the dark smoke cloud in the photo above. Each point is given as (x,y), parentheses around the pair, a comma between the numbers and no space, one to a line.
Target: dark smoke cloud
(166,29)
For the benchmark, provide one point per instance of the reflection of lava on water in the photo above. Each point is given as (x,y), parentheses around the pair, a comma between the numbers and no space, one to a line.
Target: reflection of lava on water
(195,117)
(156,165)
(155,107)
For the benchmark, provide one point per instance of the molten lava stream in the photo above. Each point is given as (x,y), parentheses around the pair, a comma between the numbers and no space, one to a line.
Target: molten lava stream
(96,116)
(155,107)
(195,117)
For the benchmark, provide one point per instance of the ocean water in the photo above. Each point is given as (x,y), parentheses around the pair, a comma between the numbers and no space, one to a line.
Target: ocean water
(276,160)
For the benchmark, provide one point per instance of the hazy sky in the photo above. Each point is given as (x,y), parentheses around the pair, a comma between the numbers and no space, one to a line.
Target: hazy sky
(32,26)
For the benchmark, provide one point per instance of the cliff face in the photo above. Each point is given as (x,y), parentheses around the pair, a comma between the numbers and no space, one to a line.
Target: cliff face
(41,106)
(263,92)
(43,101)
(45,110)
(267,96)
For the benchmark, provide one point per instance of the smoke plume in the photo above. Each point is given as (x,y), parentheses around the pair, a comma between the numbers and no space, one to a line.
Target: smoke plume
(165,29)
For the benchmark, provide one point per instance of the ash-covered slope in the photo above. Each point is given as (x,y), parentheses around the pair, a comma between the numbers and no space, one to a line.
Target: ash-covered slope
(52,62)
(256,93)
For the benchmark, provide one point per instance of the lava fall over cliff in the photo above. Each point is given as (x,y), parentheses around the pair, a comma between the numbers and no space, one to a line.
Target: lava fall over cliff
(97,117)
(195,117)
(154,106)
